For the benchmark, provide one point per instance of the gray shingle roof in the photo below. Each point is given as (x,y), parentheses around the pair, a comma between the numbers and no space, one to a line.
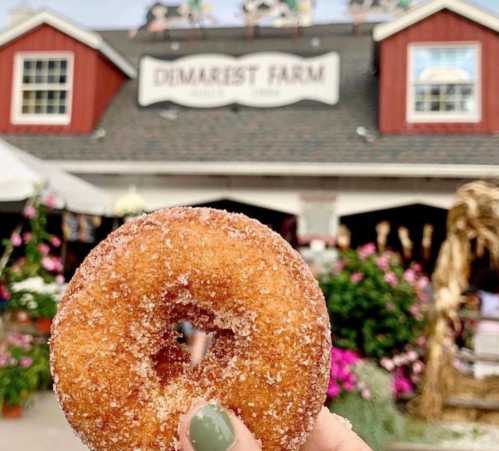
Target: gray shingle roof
(301,133)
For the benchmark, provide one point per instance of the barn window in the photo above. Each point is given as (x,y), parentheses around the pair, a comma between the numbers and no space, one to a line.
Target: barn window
(444,83)
(42,88)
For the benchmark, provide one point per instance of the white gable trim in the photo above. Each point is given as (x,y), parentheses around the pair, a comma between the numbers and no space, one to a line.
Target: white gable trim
(419,13)
(89,38)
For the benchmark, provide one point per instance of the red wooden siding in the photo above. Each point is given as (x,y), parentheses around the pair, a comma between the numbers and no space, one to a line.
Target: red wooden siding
(95,81)
(443,26)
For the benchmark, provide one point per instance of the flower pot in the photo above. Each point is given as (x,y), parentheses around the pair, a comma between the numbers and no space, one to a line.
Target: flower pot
(12,412)
(43,325)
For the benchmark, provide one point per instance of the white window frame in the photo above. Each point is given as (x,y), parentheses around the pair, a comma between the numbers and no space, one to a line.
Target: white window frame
(413,116)
(16,114)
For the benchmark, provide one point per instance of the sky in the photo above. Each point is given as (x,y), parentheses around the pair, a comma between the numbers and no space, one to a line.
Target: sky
(105,14)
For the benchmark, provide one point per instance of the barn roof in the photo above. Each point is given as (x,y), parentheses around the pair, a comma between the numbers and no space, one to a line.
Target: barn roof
(298,139)
(421,12)
(87,37)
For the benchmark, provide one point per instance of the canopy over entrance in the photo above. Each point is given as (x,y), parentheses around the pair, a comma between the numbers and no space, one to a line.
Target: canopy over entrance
(23,174)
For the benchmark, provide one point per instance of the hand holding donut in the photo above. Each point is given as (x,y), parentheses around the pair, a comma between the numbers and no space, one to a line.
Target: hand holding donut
(207,427)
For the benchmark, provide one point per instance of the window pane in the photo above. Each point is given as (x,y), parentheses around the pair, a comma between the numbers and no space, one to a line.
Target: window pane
(44,101)
(445,79)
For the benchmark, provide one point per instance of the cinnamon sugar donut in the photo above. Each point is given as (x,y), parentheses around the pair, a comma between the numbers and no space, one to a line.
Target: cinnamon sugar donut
(121,376)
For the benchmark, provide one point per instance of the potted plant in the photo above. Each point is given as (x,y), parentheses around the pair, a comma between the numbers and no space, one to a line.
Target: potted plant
(24,368)
(36,299)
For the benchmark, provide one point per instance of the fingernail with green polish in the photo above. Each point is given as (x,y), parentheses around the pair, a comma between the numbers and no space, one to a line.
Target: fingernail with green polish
(211,429)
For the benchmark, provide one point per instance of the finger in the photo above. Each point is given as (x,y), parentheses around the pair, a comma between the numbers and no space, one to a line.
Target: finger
(209,427)
(332,433)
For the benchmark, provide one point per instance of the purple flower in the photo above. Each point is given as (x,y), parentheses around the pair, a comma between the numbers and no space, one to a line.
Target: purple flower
(16,239)
(391,278)
(356,277)
(30,212)
(25,362)
(366,251)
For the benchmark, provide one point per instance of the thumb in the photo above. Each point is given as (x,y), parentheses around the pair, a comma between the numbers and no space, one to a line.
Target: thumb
(210,427)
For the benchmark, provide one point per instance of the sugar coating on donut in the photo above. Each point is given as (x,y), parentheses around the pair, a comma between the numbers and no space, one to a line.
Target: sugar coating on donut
(122,378)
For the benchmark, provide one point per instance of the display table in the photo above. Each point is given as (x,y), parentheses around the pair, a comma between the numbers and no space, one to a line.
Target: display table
(42,428)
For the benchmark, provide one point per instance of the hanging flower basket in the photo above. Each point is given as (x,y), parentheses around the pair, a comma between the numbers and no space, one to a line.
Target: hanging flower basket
(43,325)
(12,412)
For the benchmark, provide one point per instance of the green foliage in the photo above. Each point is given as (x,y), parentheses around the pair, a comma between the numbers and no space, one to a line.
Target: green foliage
(374,309)
(24,368)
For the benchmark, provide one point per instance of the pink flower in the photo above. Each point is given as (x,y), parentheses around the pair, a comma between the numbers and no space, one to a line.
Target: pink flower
(412,356)
(4,293)
(418,367)
(383,262)
(410,276)
(423,283)
(387,364)
(57,264)
(348,386)
(367,250)
(415,311)
(15,239)
(48,264)
(59,279)
(20,340)
(356,277)
(49,201)
(55,241)
(4,359)
(421,341)
(44,249)
(366,394)
(391,278)
(27,237)
(401,384)
(333,390)
(25,362)
(338,266)
(30,212)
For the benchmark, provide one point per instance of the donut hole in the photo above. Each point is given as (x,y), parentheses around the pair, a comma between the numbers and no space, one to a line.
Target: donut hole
(191,344)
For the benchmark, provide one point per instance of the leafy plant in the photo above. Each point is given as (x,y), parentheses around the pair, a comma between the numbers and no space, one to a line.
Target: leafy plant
(377,307)
(24,368)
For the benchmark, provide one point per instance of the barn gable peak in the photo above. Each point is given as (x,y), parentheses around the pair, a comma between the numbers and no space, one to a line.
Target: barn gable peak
(87,37)
(421,12)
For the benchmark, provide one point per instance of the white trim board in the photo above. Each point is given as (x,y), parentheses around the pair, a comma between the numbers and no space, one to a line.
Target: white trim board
(89,38)
(450,171)
(421,12)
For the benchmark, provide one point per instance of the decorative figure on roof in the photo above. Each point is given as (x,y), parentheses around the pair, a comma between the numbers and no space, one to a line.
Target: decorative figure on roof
(360,9)
(280,13)
(162,17)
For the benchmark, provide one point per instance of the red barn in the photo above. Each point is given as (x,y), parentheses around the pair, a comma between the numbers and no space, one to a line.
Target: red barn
(438,68)
(56,77)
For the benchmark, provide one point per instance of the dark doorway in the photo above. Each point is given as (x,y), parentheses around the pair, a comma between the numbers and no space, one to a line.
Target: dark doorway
(413,217)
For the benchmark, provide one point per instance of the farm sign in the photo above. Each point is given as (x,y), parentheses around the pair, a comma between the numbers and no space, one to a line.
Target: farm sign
(262,80)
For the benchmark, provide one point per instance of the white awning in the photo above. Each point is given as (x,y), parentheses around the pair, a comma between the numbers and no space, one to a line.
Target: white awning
(22,174)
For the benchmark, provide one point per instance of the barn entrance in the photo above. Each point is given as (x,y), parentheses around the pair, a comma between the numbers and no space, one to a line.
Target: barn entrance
(412,217)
